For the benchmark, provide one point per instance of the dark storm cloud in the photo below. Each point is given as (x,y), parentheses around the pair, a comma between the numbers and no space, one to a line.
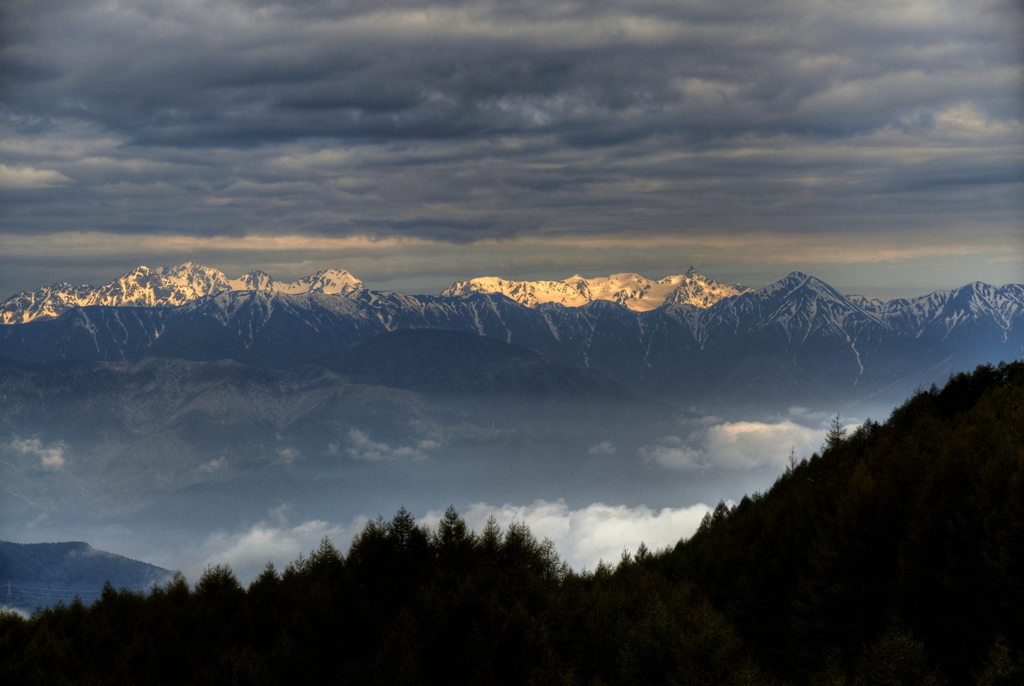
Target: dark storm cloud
(467,120)
(239,72)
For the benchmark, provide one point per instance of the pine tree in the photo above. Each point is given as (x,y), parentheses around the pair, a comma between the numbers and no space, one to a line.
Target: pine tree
(836,433)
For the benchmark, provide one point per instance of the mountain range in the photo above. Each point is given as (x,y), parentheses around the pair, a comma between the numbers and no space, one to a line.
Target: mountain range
(162,287)
(632,291)
(796,341)
(174,286)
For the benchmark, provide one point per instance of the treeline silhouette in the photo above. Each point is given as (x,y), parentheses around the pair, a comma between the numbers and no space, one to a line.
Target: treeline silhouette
(894,557)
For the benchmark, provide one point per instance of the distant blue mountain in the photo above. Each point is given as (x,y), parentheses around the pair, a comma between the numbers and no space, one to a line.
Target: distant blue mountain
(42,574)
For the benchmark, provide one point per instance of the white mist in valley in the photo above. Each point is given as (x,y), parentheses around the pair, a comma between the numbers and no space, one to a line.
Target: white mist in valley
(583,536)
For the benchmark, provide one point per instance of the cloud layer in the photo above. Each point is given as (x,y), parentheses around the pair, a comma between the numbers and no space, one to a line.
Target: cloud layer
(479,120)
(200,74)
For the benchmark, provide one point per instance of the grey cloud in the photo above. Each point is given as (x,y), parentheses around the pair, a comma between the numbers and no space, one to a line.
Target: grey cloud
(484,119)
(734,445)
(236,72)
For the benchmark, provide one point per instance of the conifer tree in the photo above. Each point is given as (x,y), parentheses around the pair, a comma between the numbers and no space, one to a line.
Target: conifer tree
(836,433)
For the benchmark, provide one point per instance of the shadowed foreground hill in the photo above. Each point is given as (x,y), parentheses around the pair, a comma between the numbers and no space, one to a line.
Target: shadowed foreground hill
(907,536)
(895,557)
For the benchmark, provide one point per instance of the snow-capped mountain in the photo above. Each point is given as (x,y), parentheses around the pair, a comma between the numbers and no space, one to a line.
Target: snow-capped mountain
(634,291)
(163,287)
(797,341)
(329,281)
(943,314)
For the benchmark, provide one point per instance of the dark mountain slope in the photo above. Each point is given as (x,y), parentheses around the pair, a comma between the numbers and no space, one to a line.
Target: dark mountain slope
(446,363)
(917,524)
(104,438)
(106,334)
(122,432)
(137,398)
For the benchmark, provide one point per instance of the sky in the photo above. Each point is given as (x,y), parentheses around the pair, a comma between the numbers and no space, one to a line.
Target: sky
(877,144)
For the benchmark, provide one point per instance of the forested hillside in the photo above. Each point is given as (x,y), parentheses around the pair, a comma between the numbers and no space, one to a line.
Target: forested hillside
(894,557)
(901,544)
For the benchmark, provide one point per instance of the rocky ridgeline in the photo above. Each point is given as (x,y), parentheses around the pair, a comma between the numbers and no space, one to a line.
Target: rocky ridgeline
(634,291)
(175,286)
(163,287)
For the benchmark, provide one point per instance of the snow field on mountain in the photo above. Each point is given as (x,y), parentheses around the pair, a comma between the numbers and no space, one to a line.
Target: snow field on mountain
(634,291)
(163,287)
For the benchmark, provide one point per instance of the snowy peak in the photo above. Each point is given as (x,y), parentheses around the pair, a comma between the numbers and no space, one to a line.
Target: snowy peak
(330,281)
(867,304)
(695,289)
(800,297)
(46,302)
(789,284)
(256,280)
(941,312)
(634,291)
(163,287)
(573,292)
(797,306)
(141,287)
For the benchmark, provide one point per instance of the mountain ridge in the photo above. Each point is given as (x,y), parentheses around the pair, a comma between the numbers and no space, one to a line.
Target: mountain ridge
(179,285)
(628,289)
(797,341)
(163,287)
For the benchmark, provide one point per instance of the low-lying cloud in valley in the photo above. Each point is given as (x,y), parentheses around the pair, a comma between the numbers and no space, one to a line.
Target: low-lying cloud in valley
(586,536)
(583,537)
(214,465)
(50,456)
(361,447)
(735,445)
(270,540)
